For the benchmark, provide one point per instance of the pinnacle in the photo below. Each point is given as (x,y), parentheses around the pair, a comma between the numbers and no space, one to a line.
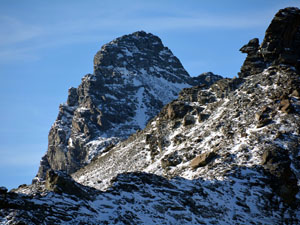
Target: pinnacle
(281,44)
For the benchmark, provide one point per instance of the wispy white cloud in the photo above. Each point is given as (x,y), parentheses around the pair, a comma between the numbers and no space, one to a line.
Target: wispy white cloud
(15,55)
(21,40)
(14,30)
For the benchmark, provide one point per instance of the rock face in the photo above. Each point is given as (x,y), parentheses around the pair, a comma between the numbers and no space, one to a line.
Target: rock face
(281,44)
(228,153)
(134,76)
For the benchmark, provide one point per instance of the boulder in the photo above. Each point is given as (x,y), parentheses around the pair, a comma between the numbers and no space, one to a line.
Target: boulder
(258,116)
(286,106)
(188,120)
(172,159)
(202,160)
(202,117)
(190,94)
(178,139)
(207,78)
(296,93)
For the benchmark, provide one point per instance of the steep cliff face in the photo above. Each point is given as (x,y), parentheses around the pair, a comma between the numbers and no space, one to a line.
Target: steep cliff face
(134,76)
(228,153)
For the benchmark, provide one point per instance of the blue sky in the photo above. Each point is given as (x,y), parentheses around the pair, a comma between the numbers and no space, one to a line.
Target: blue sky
(48,46)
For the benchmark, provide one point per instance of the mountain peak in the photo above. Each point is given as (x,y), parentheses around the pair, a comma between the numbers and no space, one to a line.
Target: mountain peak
(137,54)
(141,49)
(140,35)
(134,76)
(140,39)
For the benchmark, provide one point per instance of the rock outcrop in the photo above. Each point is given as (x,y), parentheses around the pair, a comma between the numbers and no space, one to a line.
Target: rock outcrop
(281,44)
(62,183)
(134,76)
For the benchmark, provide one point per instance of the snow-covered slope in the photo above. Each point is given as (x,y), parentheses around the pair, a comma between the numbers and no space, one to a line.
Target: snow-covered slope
(224,154)
(134,76)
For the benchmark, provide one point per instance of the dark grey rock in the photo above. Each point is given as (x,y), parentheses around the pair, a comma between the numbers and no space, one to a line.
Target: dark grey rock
(188,120)
(202,117)
(72,97)
(281,44)
(3,190)
(251,47)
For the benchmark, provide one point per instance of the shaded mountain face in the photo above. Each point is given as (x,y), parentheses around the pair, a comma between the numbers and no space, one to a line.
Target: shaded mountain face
(228,153)
(134,77)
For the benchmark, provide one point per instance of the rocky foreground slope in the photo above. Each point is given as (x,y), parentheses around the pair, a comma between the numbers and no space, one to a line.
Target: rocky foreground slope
(224,154)
(134,77)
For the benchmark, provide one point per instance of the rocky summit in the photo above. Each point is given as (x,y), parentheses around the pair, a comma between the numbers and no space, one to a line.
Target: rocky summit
(281,44)
(134,77)
(221,153)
